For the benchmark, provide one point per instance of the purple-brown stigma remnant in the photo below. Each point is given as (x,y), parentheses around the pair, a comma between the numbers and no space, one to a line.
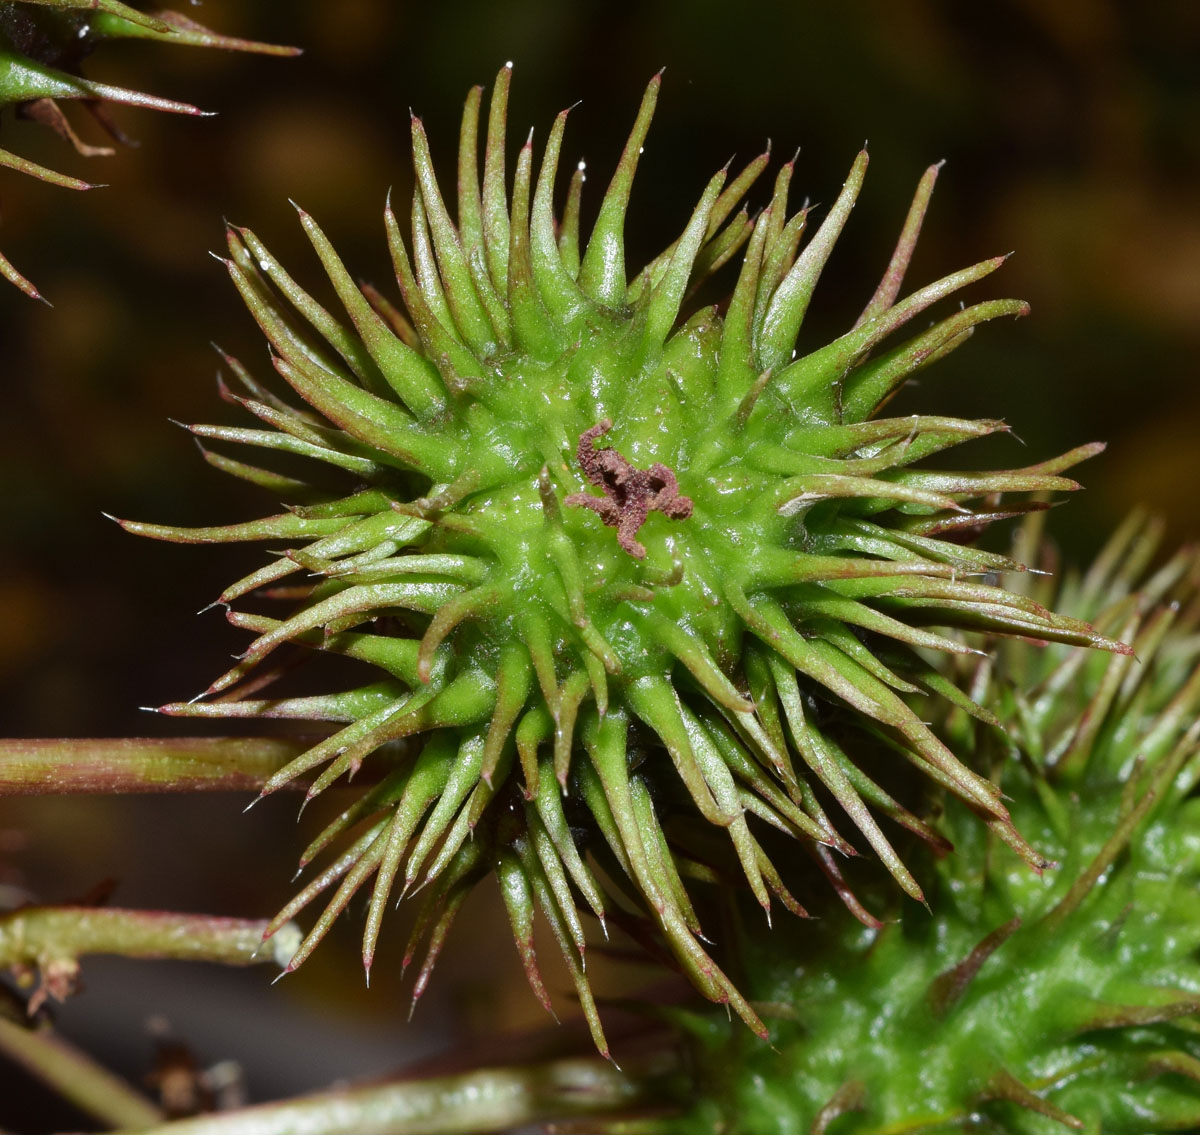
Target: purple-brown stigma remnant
(630,494)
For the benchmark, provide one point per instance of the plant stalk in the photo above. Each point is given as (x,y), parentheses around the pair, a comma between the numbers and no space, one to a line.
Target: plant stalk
(77,1077)
(488,1100)
(139,764)
(44,935)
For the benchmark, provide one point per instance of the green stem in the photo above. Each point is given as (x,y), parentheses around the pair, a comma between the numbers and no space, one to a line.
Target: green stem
(77,1077)
(44,935)
(478,1102)
(136,764)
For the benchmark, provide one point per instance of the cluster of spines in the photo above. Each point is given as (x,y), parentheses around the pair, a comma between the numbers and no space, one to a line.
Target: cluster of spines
(418,409)
(1099,757)
(1111,750)
(37,87)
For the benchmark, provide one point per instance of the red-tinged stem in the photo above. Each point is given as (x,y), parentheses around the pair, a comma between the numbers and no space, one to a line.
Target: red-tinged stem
(488,1100)
(77,1077)
(138,764)
(41,936)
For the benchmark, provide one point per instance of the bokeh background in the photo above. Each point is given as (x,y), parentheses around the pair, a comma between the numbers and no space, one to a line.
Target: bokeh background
(1071,133)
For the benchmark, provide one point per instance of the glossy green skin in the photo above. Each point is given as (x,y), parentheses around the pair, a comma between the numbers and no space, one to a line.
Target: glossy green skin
(734,512)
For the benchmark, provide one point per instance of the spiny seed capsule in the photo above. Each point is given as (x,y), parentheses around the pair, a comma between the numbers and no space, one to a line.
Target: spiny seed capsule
(549,691)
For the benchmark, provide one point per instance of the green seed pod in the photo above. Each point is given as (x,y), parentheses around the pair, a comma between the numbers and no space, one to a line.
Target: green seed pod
(618,558)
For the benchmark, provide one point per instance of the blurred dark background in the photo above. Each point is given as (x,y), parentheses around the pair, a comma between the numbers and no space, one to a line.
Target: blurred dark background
(1071,132)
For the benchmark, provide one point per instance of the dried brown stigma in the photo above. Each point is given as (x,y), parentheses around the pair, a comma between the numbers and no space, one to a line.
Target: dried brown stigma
(630,494)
